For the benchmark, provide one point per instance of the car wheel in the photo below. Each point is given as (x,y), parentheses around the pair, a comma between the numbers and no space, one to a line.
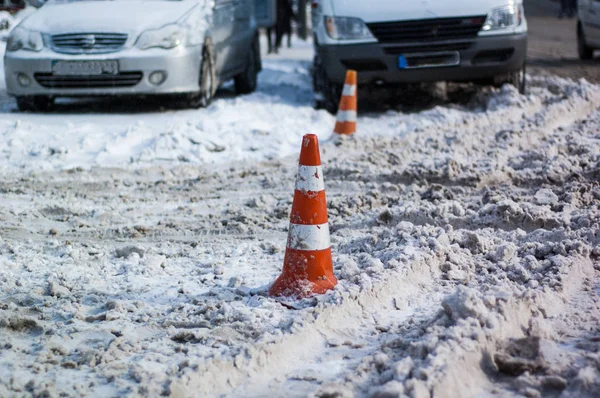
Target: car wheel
(327,93)
(246,82)
(585,52)
(37,103)
(207,83)
(519,80)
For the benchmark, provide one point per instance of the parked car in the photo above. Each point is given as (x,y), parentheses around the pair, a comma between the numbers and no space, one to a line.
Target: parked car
(132,47)
(391,42)
(588,28)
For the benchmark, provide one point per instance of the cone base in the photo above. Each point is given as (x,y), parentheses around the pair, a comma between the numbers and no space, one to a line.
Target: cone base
(345,128)
(304,274)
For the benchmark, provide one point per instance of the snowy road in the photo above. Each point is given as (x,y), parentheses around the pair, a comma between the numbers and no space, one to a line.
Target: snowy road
(136,248)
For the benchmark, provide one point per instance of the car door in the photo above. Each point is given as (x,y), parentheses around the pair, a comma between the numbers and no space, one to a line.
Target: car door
(222,34)
(243,31)
(264,13)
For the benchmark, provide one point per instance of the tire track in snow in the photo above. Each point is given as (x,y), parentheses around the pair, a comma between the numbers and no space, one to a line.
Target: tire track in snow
(323,339)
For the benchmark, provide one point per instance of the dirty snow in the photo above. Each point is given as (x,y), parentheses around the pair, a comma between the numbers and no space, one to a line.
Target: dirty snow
(136,248)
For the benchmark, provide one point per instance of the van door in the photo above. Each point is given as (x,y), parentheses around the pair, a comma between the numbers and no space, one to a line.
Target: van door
(590,16)
(595,21)
(222,32)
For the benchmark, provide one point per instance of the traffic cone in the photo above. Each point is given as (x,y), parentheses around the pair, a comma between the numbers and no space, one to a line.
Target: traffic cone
(307,266)
(346,116)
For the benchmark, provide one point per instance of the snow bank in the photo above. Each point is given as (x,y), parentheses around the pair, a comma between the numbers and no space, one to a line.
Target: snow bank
(261,126)
(8,22)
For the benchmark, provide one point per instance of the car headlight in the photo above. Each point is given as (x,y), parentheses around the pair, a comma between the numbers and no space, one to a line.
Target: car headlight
(504,17)
(347,28)
(169,36)
(24,39)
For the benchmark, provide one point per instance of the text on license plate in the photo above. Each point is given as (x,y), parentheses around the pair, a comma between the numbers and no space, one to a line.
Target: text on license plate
(85,68)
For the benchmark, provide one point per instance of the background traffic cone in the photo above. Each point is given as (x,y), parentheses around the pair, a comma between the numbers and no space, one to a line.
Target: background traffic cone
(346,116)
(307,266)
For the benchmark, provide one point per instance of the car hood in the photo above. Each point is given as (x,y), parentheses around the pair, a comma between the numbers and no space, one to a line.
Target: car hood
(131,16)
(394,10)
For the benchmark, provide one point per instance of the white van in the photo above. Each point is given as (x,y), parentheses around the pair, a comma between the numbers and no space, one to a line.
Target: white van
(588,28)
(395,42)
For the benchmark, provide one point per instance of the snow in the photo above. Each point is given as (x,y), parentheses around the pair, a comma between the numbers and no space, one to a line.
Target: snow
(8,22)
(253,132)
(137,246)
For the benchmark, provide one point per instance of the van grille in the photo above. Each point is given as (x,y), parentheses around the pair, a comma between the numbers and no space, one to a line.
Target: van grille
(88,43)
(123,79)
(422,48)
(427,29)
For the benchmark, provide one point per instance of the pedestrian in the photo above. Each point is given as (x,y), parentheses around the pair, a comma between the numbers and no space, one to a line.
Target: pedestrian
(285,14)
(572,8)
(270,33)
(568,8)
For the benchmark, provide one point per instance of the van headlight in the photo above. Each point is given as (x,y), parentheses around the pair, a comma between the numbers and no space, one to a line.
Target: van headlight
(347,28)
(24,39)
(505,17)
(169,36)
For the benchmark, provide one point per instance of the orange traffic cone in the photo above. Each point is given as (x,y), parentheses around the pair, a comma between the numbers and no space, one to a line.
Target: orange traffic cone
(346,116)
(307,266)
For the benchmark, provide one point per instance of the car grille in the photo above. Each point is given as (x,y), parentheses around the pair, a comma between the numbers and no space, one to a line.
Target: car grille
(123,79)
(88,43)
(427,29)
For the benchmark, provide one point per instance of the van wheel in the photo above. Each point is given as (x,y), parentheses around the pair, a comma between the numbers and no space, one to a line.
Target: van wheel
(327,92)
(37,103)
(519,80)
(203,98)
(246,82)
(585,52)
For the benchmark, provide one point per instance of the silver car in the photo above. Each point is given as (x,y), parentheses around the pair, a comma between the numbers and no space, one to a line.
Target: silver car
(72,48)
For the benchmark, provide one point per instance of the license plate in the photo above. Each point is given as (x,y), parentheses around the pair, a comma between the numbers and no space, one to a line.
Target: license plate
(429,60)
(85,68)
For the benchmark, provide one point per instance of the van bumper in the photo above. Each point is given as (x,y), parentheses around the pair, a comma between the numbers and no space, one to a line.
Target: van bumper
(485,57)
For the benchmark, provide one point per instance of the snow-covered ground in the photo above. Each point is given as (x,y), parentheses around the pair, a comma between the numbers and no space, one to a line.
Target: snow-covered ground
(137,246)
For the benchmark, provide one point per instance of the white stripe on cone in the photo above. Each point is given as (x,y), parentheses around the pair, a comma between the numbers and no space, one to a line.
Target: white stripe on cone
(310,178)
(346,116)
(309,237)
(349,90)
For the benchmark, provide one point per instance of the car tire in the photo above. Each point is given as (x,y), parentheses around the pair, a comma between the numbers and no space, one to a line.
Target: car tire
(208,84)
(327,92)
(37,103)
(246,82)
(585,52)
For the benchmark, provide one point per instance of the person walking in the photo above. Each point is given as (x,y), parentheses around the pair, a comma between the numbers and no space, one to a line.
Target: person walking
(270,33)
(572,8)
(568,8)
(285,13)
